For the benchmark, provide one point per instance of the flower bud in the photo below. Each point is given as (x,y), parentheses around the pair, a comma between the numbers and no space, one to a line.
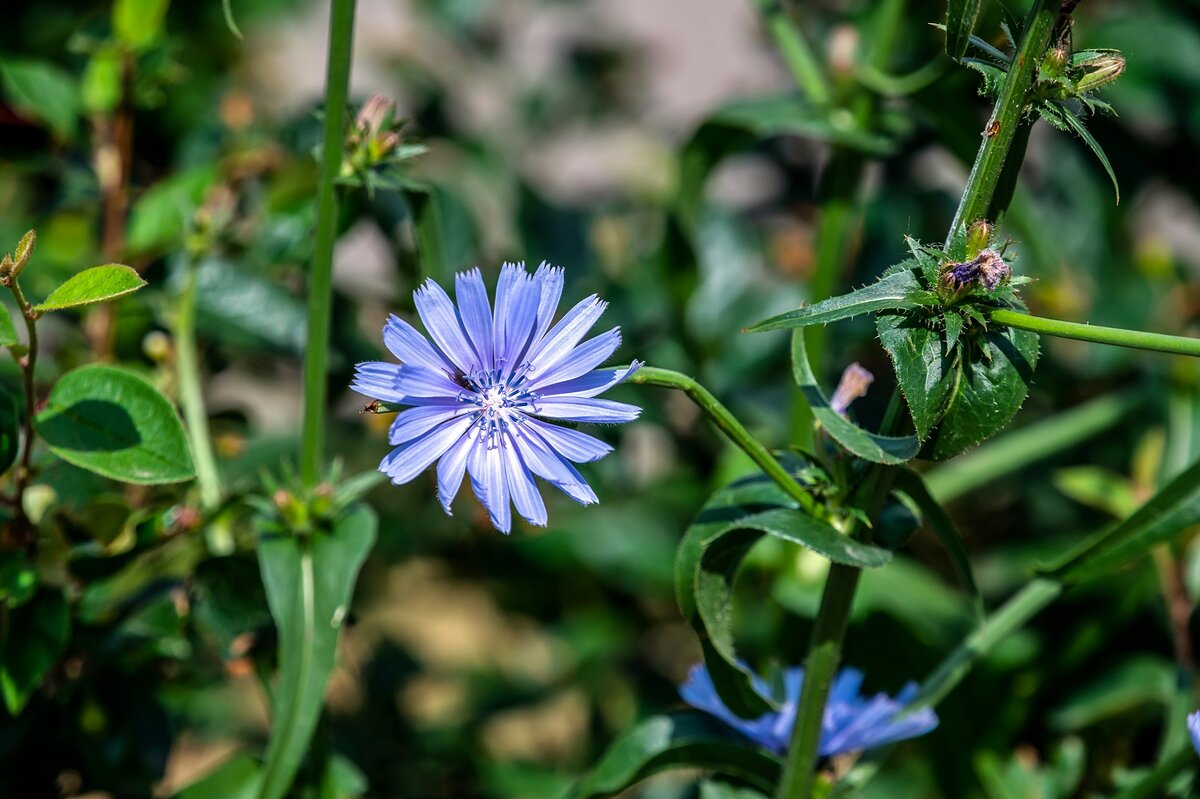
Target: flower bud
(23,251)
(978,236)
(1099,72)
(1054,65)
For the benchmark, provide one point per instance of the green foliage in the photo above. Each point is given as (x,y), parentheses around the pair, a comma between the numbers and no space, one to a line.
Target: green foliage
(114,423)
(44,92)
(309,580)
(34,637)
(676,740)
(960,22)
(97,284)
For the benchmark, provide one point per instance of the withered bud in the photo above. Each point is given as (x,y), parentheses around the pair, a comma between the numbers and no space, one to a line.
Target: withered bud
(987,269)
(1099,72)
(978,237)
(854,383)
(374,116)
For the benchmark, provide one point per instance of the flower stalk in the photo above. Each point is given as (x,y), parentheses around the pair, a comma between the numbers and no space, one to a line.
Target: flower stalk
(320,279)
(1134,339)
(191,397)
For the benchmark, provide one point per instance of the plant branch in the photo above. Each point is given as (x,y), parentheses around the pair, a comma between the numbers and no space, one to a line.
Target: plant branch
(1134,339)
(27,363)
(733,429)
(191,397)
(320,280)
(1002,128)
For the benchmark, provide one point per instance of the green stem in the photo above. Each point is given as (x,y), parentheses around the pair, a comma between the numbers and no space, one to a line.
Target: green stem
(1152,784)
(804,66)
(187,372)
(28,365)
(799,770)
(1135,339)
(733,429)
(1022,607)
(320,281)
(1006,116)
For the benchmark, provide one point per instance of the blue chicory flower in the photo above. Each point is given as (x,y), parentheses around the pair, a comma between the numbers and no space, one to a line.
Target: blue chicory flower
(1193,723)
(483,387)
(852,722)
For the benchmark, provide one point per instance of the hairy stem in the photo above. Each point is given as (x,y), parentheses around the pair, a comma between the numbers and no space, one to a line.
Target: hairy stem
(733,429)
(1134,339)
(1005,121)
(191,397)
(320,279)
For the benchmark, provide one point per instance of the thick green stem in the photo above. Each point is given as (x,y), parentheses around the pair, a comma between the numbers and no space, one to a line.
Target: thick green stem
(191,397)
(1135,339)
(799,770)
(1002,128)
(733,429)
(320,279)
(1018,610)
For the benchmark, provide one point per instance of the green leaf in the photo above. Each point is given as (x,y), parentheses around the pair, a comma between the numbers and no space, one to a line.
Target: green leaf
(36,636)
(161,215)
(1140,682)
(721,790)
(139,23)
(925,368)
(445,233)
(960,24)
(712,586)
(102,79)
(1176,507)
(911,485)
(42,91)
(970,400)
(891,292)
(872,447)
(10,437)
(114,423)
(1073,122)
(8,333)
(792,114)
(236,778)
(677,740)
(18,578)
(309,581)
(98,284)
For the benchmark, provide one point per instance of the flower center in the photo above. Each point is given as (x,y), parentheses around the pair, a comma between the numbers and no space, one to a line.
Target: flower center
(499,403)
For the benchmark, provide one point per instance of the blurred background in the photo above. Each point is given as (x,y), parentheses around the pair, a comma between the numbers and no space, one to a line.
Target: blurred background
(661,153)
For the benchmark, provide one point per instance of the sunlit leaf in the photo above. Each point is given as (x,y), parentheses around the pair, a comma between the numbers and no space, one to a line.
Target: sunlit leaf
(98,284)
(891,292)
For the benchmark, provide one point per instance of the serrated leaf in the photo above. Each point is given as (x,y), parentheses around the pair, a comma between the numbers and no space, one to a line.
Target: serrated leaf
(309,581)
(960,23)
(954,328)
(911,485)
(872,447)
(926,370)
(891,292)
(114,423)
(36,634)
(97,284)
(994,375)
(677,740)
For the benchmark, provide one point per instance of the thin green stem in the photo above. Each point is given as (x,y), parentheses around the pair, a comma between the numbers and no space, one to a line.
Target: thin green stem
(733,429)
(320,280)
(1012,615)
(28,365)
(1152,784)
(191,397)
(799,769)
(796,52)
(1134,339)
(1002,128)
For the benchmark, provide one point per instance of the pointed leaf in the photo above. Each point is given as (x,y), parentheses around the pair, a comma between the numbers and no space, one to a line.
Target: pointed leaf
(97,284)
(925,367)
(890,292)
(1076,124)
(960,24)
(872,447)
(309,581)
(8,333)
(114,423)
(677,740)
(912,486)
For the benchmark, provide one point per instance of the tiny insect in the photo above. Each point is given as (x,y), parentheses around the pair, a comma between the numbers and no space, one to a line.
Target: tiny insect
(992,129)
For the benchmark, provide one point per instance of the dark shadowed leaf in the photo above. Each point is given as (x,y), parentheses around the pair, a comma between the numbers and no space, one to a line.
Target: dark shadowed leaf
(721,790)
(925,370)
(8,333)
(677,740)
(872,447)
(114,423)
(34,639)
(960,23)
(309,581)
(10,437)
(97,284)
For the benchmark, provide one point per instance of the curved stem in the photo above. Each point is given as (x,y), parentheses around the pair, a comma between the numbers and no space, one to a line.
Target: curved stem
(733,429)
(320,280)
(1135,339)
(187,372)
(1006,116)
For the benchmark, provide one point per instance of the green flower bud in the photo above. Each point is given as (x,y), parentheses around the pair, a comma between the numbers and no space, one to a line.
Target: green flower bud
(1099,72)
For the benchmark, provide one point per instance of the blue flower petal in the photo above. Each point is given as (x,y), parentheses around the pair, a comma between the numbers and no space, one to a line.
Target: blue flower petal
(377,380)
(571,444)
(409,346)
(568,332)
(416,422)
(587,409)
(521,487)
(452,467)
(579,361)
(441,320)
(592,383)
(476,312)
(1193,723)
(404,463)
